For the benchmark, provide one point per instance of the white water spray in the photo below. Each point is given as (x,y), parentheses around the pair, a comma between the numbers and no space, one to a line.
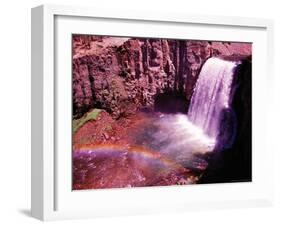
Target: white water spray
(211,95)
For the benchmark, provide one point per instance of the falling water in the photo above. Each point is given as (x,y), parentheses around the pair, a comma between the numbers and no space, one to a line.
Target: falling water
(211,95)
(165,149)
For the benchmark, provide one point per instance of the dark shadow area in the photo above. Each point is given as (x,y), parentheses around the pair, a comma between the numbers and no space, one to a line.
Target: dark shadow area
(171,102)
(233,163)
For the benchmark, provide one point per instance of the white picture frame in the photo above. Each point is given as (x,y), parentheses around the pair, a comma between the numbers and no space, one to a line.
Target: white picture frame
(52,197)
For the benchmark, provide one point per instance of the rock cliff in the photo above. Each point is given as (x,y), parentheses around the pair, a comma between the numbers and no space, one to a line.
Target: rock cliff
(122,75)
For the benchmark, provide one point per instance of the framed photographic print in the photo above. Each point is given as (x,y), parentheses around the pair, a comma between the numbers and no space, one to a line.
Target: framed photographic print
(136,112)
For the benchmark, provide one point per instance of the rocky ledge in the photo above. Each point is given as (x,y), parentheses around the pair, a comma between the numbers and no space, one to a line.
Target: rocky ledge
(123,75)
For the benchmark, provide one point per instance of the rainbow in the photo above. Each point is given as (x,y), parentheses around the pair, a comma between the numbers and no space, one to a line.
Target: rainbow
(138,150)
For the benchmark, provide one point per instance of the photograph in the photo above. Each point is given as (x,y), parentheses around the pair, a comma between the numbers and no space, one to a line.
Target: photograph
(160,112)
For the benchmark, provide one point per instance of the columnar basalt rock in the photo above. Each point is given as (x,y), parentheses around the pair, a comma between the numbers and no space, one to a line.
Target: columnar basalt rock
(122,75)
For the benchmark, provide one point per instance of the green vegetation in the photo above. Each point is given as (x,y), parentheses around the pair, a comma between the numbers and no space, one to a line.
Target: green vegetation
(91,115)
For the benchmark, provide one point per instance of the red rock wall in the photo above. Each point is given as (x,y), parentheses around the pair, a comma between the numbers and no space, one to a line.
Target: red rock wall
(123,75)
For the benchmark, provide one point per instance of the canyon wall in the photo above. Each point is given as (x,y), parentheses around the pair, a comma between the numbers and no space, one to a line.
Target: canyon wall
(122,75)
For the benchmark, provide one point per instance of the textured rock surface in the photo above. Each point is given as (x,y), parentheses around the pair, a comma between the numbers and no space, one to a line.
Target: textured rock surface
(122,75)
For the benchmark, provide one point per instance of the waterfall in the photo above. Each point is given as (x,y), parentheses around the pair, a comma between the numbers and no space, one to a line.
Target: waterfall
(211,95)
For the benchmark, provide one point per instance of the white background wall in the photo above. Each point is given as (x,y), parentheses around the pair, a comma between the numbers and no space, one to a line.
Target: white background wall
(15,112)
